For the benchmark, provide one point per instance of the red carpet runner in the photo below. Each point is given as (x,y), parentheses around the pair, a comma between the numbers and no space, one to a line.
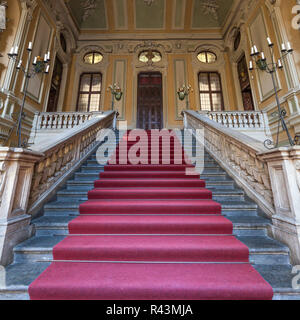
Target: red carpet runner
(150,232)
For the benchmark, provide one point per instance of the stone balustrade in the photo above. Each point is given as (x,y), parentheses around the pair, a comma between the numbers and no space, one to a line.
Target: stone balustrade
(61,120)
(62,154)
(240,120)
(29,178)
(252,123)
(237,153)
(271,178)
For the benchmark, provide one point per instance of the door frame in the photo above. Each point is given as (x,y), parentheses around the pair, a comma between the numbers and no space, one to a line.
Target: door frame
(162,95)
(163,72)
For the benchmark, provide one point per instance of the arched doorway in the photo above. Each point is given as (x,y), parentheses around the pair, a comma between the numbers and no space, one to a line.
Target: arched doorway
(150,101)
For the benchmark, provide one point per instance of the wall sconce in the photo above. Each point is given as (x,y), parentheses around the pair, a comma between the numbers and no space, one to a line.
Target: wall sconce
(271,67)
(183,93)
(116,93)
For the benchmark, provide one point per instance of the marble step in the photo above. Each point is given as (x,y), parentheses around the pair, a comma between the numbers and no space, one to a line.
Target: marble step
(228,207)
(263,250)
(218,195)
(243,225)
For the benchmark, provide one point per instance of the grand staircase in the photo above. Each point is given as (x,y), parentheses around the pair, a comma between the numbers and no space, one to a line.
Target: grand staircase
(188,241)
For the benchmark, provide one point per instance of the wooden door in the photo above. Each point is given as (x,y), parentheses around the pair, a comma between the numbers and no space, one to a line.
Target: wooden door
(150,104)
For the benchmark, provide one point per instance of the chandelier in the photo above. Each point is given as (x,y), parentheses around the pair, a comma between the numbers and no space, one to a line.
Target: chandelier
(211,7)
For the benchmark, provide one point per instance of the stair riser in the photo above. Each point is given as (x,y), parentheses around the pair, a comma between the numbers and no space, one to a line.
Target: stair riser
(269,259)
(80,186)
(65,231)
(41,232)
(61,212)
(216,198)
(233,197)
(237,231)
(245,232)
(255,259)
(215,185)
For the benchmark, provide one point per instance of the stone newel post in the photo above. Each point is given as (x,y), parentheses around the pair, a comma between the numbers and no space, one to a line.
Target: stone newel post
(284,170)
(16,170)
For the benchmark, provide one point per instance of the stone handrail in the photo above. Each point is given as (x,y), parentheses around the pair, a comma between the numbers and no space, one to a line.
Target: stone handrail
(238,154)
(246,119)
(62,155)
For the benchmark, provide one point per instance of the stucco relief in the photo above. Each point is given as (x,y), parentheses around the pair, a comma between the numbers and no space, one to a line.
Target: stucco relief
(89,7)
(3,7)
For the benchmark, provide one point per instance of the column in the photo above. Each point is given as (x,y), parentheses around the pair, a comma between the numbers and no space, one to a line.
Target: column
(284,170)
(16,170)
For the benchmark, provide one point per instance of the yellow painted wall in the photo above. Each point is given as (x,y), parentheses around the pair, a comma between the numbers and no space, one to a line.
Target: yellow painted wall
(7,39)
(8,36)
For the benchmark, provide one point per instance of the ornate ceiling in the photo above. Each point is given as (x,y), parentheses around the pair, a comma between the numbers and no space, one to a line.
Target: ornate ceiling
(149,15)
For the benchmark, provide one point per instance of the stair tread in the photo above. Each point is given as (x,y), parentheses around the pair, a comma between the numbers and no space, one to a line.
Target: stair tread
(159,248)
(128,224)
(279,276)
(52,221)
(248,220)
(19,276)
(135,281)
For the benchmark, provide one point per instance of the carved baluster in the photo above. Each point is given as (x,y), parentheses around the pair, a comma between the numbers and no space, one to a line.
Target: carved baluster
(230,120)
(246,122)
(251,120)
(39,122)
(59,121)
(235,120)
(240,120)
(45,121)
(261,120)
(65,122)
(256,120)
(54,123)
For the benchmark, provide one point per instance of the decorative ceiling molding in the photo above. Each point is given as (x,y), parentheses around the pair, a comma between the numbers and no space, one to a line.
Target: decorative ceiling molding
(89,7)
(211,7)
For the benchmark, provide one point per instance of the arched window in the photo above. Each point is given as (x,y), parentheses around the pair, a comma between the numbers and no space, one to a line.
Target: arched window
(210,89)
(89,94)
(207,57)
(93,58)
(150,56)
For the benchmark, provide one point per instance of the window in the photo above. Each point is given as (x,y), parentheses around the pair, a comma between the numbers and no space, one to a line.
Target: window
(93,58)
(150,55)
(89,92)
(207,57)
(210,87)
